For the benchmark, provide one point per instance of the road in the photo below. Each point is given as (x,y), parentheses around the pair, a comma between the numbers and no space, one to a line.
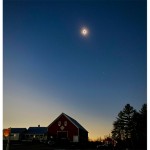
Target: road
(40,146)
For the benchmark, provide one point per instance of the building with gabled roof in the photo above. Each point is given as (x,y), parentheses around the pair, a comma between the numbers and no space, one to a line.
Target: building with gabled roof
(36,133)
(65,127)
(16,134)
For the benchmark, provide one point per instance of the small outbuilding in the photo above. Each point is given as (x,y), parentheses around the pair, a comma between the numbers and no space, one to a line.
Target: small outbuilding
(65,127)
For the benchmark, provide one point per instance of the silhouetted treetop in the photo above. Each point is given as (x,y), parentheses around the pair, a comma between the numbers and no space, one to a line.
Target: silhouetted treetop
(131,126)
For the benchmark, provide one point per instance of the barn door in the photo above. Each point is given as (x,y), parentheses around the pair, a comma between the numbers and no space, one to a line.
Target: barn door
(62,134)
(75,138)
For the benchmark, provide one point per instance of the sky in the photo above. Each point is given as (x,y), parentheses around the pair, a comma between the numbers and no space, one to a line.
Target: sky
(49,67)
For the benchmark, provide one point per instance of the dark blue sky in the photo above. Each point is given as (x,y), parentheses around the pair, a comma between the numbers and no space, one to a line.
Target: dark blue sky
(48,62)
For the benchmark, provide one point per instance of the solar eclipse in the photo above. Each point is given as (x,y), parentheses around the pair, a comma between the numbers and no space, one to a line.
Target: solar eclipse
(84,31)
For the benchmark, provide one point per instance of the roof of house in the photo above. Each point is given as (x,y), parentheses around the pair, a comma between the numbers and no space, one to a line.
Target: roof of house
(18,130)
(77,124)
(71,120)
(37,130)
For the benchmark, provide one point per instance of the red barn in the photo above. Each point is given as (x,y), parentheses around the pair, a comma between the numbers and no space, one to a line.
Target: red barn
(65,127)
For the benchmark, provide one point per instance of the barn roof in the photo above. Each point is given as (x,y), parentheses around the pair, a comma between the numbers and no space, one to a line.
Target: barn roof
(71,120)
(18,130)
(75,123)
(37,130)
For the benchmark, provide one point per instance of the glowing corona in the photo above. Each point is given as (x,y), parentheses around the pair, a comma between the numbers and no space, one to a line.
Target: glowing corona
(84,31)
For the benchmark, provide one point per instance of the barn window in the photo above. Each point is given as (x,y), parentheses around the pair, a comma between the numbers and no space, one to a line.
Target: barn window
(65,123)
(62,127)
(59,123)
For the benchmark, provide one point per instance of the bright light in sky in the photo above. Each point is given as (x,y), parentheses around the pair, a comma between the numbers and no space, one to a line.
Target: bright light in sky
(84,31)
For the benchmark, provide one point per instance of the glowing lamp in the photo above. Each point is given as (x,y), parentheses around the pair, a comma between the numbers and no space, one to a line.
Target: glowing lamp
(6,132)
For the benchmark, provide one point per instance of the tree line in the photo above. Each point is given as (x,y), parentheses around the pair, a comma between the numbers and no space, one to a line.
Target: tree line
(130,128)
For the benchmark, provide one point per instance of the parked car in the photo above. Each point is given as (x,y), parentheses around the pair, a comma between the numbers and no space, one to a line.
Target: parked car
(50,142)
(102,147)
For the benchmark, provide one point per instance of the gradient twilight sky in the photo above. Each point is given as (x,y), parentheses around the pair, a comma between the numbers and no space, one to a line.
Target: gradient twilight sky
(50,68)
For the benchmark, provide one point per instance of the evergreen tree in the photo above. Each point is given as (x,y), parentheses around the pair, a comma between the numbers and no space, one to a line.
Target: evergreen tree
(130,128)
(124,126)
(142,131)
